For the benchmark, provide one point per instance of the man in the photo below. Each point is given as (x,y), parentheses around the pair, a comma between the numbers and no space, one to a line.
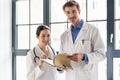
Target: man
(83,42)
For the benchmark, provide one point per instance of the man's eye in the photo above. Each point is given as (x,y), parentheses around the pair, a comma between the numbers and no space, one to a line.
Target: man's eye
(67,12)
(73,11)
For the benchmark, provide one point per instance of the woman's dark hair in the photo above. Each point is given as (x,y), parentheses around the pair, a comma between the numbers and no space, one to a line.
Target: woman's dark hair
(70,4)
(40,28)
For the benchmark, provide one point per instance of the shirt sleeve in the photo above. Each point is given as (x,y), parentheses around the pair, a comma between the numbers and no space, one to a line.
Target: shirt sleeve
(85,58)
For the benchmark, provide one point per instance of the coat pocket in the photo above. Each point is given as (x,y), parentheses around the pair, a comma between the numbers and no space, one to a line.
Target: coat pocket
(86,45)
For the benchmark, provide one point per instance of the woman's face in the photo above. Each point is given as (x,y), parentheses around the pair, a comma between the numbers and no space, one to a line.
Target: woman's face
(44,37)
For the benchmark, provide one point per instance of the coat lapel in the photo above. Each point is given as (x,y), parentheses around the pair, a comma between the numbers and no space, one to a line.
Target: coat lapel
(82,33)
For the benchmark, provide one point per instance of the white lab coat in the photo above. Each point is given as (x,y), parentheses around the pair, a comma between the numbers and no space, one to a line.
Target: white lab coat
(93,46)
(46,72)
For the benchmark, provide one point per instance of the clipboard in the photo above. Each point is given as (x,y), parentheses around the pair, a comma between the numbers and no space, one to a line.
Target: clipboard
(60,61)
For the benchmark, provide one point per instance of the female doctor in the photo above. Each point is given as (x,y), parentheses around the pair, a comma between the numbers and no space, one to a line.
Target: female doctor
(83,41)
(36,68)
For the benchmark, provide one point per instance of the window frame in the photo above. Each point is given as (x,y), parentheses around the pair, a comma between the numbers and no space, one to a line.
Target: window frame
(111,52)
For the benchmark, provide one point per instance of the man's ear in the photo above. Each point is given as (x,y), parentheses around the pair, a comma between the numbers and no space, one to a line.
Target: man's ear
(79,11)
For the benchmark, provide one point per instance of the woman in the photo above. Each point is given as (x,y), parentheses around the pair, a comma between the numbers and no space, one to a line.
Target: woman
(36,68)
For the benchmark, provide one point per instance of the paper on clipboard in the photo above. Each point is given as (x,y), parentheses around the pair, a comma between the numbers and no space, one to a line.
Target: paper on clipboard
(49,61)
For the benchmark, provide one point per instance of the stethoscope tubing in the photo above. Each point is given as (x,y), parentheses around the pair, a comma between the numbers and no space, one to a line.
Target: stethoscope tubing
(37,57)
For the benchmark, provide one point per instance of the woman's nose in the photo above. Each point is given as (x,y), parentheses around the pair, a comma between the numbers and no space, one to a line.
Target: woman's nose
(47,38)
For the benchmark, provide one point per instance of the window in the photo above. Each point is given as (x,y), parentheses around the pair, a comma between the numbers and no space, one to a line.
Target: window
(28,15)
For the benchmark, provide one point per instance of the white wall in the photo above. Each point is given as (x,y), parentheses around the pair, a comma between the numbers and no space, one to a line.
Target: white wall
(5,40)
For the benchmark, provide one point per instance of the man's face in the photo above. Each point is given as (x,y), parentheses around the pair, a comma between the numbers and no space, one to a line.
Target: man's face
(72,14)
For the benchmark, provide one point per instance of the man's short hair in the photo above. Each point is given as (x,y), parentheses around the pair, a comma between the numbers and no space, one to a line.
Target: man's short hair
(70,4)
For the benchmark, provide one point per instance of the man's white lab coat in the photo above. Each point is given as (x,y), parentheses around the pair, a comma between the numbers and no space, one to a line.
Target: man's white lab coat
(88,41)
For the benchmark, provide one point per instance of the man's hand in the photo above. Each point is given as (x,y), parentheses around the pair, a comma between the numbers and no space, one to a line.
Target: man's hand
(77,57)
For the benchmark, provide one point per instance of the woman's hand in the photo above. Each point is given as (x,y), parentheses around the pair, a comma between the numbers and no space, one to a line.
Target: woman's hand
(42,56)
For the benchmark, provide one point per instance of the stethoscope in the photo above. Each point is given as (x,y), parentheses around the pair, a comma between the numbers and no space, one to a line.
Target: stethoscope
(37,57)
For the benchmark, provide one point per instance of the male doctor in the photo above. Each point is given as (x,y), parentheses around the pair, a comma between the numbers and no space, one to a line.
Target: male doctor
(83,41)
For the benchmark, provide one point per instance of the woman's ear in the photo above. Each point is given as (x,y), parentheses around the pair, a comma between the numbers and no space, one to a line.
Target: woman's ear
(37,36)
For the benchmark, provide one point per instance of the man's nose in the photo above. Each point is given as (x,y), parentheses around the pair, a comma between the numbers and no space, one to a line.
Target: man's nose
(71,15)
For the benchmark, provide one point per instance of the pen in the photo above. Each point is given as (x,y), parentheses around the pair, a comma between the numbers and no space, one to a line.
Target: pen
(83,42)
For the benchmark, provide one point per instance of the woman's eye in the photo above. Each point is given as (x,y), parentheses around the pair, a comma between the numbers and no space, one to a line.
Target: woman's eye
(48,36)
(45,36)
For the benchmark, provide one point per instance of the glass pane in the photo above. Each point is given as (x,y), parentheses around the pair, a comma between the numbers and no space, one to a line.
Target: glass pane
(23,37)
(96,9)
(82,4)
(117,9)
(117,35)
(56,5)
(102,26)
(33,40)
(102,70)
(22,12)
(116,68)
(21,68)
(36,11)
(56,31)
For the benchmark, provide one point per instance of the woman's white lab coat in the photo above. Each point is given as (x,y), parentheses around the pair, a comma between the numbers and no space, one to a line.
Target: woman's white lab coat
(88,41)
(46,72)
